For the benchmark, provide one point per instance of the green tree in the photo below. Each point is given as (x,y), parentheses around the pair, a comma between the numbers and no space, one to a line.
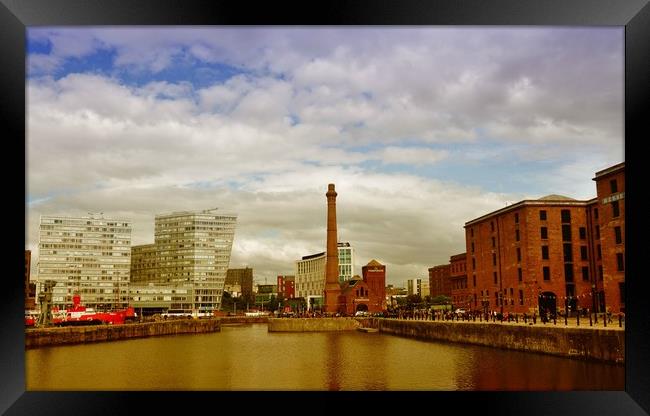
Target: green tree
(441,300)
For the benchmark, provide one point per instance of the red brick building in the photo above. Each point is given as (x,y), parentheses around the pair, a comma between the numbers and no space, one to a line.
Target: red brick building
(367,293)
(461,296)
(554,253)
(30,288)
(287,286)
(440,280)
(610,205)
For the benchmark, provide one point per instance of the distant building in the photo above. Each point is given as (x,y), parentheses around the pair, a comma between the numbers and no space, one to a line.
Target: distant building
(414,287)
(461,295)
(190,256)
(30,287)
(286,286)
(87,255)
(346,261)
(265,293)
(440,280)
(310,279)
(243,278)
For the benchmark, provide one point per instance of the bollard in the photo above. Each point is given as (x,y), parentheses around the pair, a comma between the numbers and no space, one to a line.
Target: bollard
(590,321)
(566,318)
(578,319)
(605,320)
(517,318)
(620,321)
(555,320)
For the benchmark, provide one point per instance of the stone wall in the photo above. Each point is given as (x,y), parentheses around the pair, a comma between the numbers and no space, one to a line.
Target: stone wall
(245,320)
(96,333)
(585,343)
(312,324)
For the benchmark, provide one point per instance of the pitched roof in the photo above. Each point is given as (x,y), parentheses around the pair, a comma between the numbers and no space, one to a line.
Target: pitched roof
(374,262)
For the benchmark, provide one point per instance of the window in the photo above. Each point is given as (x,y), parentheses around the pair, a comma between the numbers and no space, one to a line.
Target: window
(496,277)
(615,211)
(597,232)
(547,272)
(568,252)
(518,254)
(516,235)
(619,262)
(471,232)
(542,215)
(617,233)
(516,218)
(545,252)
(473,263)
(565,215)
(521,297)
(583,253)
(544,233)
(494,242)
(494,259)
(568,272)
(599,252)
(583,233)
(566,233)
(613,186)
(472,246)
(520,275)
(585,274)
(492,225)
(596,213)
(474,280)
(600,272)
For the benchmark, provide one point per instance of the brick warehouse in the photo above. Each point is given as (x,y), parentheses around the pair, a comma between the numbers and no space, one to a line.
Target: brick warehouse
(461,295)
(552,253)
(439,280)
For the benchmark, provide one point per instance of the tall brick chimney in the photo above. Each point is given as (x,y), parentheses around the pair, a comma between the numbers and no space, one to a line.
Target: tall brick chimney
(332,287)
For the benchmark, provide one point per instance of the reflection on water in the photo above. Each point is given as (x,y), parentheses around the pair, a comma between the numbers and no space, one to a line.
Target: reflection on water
(247,357)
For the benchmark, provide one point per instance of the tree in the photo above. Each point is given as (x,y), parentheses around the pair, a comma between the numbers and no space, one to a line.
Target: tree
(413,300)
(441,300)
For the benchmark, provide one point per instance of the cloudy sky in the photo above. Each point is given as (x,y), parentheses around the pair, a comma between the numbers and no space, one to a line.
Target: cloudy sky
(421,129)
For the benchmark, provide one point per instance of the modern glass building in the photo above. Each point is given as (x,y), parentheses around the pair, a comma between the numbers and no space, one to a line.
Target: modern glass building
(346,262)
(194,248)
(86,255)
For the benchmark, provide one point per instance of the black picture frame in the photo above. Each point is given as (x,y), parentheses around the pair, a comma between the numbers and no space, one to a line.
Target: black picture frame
(16,15)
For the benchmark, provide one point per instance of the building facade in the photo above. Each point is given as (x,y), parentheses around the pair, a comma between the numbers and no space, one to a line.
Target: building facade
(461,296)
(610,190)
(287,286)
(153,298)
(346,261)
(310,278)
(90,256)
(30,287)
(144,264)
(194,248)
(414,286)
(374,274)
(243,278)
(440,280)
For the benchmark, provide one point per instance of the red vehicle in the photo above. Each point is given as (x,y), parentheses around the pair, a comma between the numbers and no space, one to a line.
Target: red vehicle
(80,315)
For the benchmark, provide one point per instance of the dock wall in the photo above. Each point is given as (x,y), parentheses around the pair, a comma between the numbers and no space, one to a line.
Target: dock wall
(585,343)
(312,324)
(40,337)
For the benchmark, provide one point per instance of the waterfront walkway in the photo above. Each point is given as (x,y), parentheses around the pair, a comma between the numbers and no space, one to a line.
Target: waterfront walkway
(560,322)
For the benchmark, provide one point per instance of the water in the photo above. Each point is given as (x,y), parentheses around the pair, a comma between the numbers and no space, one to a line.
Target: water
(247,357)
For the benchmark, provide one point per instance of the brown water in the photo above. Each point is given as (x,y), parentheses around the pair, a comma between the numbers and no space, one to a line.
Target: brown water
(247,357)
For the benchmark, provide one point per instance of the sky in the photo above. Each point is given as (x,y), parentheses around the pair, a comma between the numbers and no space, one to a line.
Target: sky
(421,129)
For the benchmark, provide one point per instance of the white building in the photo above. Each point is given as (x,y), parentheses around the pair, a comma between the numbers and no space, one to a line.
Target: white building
(414,287)
(310,278)
(346,262)
(87,255)
(194,248)
(424,288)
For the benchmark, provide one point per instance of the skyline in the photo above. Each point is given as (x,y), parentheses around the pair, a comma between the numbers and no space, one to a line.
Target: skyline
(259,120)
